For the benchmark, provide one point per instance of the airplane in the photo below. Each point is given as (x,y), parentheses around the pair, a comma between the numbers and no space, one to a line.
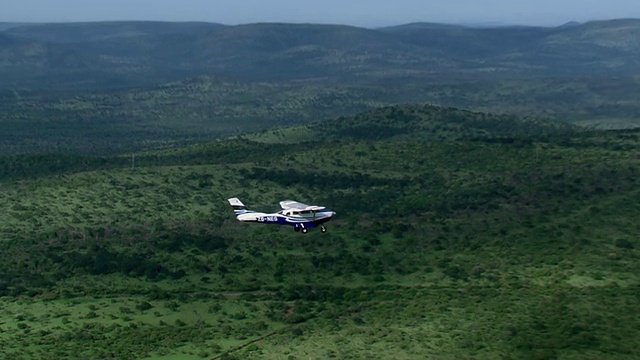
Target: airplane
(301,216)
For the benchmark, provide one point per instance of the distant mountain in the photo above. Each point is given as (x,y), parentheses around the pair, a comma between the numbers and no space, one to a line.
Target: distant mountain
(420,26)
(595,48)
(600,38)
(38,64)
(5,41)
(302,51)
(6,25)
(471,42)
(83,32)
(141,53)
(22,54)
(569,24)
(602,46)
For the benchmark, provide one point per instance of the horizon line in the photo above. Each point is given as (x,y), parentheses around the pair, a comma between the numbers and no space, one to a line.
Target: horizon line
(461,24)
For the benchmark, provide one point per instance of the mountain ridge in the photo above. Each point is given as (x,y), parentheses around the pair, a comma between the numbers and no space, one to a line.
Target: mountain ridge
(151,51)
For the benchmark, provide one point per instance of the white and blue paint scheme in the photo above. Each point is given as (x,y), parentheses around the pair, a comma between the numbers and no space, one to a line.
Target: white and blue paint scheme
(301,216)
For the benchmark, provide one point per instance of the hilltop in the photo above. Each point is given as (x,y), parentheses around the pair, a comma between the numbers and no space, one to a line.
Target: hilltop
(417,122)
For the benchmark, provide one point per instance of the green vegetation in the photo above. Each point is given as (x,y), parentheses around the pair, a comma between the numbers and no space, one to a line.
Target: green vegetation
(458,235)
(117,87)
(196,110)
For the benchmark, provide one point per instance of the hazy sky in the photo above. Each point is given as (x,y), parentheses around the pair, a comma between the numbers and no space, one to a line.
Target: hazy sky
(353,12)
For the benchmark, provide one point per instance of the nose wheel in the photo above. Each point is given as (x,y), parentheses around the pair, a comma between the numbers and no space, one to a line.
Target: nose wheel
(323,229)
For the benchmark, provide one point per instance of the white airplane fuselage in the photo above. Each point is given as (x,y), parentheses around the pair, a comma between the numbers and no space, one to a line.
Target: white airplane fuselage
(301,219)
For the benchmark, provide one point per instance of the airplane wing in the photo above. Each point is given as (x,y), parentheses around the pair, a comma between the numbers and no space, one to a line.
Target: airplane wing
(294,205)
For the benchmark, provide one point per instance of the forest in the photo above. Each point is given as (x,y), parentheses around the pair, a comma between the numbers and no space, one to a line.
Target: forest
(514,241)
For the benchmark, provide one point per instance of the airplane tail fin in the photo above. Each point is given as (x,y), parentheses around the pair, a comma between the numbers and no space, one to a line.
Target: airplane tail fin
(238,206)
(242,213)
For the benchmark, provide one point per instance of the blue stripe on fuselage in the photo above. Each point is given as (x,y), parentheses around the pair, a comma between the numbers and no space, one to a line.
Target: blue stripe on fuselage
(285,220)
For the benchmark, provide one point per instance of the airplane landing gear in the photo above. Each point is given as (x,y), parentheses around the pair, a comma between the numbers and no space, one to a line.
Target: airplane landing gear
(304,230)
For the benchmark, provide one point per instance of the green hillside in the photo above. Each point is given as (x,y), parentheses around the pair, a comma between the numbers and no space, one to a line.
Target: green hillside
(117,87)
(457,235)
(199,109)
(157,117)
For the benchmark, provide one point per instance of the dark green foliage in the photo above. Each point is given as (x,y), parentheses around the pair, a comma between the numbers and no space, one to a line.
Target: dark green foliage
(624,244)
(143,306)
(438,123)
(99,261)
(32,166)
(321,181)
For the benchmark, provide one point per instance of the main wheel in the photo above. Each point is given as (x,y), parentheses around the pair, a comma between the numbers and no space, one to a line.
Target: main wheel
(304,230)
(296,229)
(323,229)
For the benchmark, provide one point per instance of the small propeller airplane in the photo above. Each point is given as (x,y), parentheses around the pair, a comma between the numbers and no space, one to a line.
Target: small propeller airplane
(301,216)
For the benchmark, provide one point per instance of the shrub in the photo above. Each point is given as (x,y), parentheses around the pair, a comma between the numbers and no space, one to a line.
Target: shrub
(624,244)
